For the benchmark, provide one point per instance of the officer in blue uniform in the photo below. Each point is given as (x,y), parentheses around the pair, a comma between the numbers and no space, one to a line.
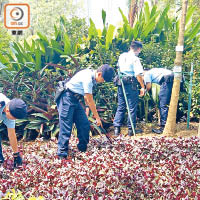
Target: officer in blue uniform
(132,71)
(71,111)
(10,110)
(164,78)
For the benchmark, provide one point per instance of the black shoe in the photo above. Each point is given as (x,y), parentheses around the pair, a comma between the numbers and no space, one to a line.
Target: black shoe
(82,148)
(130,132)
(117,131)
(17,160)
(158,131)
(62,157)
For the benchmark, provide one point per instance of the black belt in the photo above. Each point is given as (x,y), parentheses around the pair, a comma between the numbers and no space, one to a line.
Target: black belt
(76,95)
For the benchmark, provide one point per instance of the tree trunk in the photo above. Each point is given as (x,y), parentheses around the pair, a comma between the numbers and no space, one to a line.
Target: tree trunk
(170,126)
(199,129)
(132,12)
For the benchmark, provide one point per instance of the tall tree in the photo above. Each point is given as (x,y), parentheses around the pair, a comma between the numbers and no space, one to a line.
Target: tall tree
(133,9)
(171,120)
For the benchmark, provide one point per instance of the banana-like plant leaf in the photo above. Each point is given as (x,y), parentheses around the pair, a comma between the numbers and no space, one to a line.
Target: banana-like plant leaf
(125,20)
(92,31)
(146,12)
(194,32)
(109,35)
(103,17)
(43,37)
(189,14)
(153,11)
(67,45)
(149,27)
(38,59)
(3,59)
(161,21)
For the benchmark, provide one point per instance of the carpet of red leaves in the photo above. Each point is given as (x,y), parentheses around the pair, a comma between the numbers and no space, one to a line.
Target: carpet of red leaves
(144,168)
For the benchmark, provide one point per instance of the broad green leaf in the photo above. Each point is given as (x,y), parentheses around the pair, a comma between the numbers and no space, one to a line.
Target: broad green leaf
(162,20)
(40,115)
(153,11)
(67,45)
(38,59)
(92,31)
(21,120)
(190,12)
(150,26)
(194,32)
(104,17)
(109,35)
(43,37)
(125,20)
(59,51)
(32,126)
(27,46)
(146,12)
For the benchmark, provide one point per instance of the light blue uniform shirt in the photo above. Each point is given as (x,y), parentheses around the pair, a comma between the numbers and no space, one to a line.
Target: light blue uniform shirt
(154,75)
(82,82)
(130,64)
(8,122)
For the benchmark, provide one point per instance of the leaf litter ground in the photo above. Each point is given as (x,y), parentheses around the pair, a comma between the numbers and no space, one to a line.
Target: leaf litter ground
(143,167)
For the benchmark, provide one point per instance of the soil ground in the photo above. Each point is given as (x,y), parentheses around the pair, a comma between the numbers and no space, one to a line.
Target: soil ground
(181,129)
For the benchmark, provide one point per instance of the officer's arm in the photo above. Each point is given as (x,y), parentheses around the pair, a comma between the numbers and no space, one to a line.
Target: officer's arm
(13,139)
(90,102)
(140,80)
(148,86)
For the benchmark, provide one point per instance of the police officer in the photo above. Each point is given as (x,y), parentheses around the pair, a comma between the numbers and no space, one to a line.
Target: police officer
(10,110)
(132,71)
(164,78)
(71,111)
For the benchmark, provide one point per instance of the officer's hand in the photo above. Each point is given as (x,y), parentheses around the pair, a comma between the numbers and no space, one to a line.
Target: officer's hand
(87,111)
(98,122)
(17,160)
(142,92)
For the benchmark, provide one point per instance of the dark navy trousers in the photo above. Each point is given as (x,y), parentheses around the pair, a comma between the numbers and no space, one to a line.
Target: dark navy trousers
(71,111)
(164,100)
(132,97)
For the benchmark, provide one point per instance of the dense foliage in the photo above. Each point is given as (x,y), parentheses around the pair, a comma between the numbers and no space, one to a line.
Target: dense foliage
(35,66)
(148,168)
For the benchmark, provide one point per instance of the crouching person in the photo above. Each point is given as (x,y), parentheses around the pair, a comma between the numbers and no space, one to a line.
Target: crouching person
(164,78)
(10,110)
(71,111)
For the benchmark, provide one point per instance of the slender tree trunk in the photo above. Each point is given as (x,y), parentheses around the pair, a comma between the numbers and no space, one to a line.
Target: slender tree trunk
(199,129)
(170,126)
(141,4)
(132,12)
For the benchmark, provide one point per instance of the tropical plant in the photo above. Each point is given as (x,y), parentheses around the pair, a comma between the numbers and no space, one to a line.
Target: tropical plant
(4,39)
(36,65)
